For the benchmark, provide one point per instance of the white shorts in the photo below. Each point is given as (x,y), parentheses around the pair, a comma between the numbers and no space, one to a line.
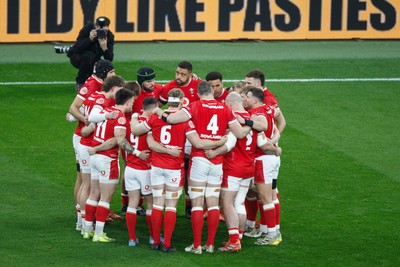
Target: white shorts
(84,158)
(204,171)
(76,139)
(173,178)
(104,169)
(232,183)
(266,169)
(137,179)
(188,147)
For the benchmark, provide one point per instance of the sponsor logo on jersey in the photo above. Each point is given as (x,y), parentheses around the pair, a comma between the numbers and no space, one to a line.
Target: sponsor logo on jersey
(83,90)
(100,101)
(121,120)
(185,101)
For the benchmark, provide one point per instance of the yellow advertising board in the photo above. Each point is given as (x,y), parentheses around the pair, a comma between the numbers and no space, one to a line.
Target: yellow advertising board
(180,20)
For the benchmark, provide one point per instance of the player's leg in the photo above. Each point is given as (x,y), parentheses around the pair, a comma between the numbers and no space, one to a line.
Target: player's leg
(212,193)
(84,190)
(109,168)
(263,179)
(229,190)
(196,185)
(158,190)
(93,199)
(133,191)
(78,181)
(174,180)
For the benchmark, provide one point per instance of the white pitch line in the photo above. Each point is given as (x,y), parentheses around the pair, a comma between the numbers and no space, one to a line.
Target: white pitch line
(267,81)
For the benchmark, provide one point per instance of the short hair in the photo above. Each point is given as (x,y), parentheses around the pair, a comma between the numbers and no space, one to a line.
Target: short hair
(257,93)
(245,89)
(186,65)
(112,81)
(214,75)
(176,93)
(257,74)
(239,84)
(204,88)
(122,96)
(149,103)
(234,97)
(134,87)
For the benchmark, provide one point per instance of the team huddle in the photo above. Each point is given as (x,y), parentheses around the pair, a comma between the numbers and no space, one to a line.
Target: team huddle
(216,145)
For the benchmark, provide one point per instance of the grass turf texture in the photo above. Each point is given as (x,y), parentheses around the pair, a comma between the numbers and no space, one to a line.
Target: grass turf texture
(339,178)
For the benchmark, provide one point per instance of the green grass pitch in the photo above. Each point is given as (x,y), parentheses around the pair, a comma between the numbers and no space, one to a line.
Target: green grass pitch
(339,178)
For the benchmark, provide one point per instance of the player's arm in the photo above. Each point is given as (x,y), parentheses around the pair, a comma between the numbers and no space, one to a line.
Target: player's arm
(198,143)
(174,118)
(157,147)
(259,123)
(267,146)
(276,136)
(74,109)
(280,120)
(70,118)
(231,142)
(138,128)
(108,144)
(120,136)
(239,131)
(97,114)
(88,130)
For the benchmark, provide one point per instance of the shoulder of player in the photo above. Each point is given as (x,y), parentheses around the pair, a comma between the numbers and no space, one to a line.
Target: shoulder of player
(170,85)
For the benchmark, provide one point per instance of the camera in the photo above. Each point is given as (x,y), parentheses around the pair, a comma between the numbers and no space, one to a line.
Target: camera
(101,34)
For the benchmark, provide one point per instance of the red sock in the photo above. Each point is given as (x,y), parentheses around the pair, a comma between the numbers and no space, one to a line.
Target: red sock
(197,226)
(269,213)
(251,209)
(148,221)
(131,224)
(156,223)
(278,212)
(212,224)
(90,212)
(263,219)
(233,235)
(101,214)
(169,226)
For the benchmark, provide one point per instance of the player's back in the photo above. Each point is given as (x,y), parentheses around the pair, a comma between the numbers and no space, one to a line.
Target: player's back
(170,136)
(239,162)
(211,119)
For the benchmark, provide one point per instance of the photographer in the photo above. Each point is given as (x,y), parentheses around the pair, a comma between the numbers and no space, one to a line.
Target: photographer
(94,41)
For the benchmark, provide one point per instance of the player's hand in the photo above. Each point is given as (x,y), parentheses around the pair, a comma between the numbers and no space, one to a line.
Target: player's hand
(91,151)
(112,115)
(144,155)
(175,152)
(86,120)
(158,111)
(278,151)
(223,140)
(210,153)
(240,119)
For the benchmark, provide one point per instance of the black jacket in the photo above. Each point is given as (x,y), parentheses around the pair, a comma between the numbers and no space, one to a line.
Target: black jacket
(83,43)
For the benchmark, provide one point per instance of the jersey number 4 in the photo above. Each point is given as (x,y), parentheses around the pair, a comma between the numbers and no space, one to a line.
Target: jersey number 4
(213,124)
